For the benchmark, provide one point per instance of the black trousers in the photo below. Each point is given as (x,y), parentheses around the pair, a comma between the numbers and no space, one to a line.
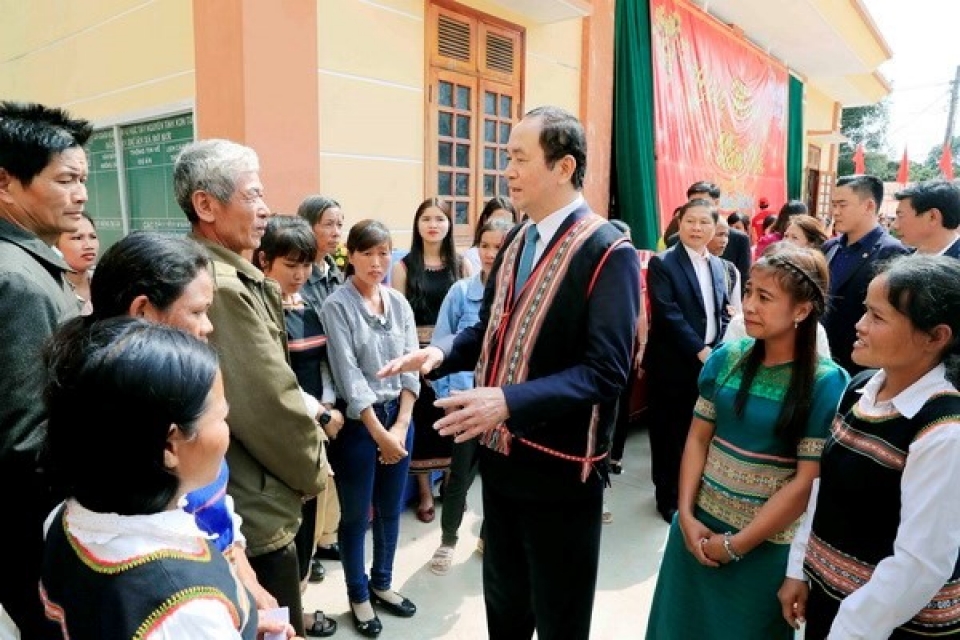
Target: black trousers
(22,538)
(669,412)
(822,609)
(279,573)
(305,535)
(540,564)
(622,421)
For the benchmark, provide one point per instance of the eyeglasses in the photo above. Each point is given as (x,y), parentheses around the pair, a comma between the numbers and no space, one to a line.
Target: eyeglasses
(251,196)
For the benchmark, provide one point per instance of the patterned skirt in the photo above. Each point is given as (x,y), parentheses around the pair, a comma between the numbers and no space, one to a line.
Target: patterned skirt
(431,451)
(737,601)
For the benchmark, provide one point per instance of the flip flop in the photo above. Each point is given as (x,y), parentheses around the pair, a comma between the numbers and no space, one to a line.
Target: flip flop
(322,627)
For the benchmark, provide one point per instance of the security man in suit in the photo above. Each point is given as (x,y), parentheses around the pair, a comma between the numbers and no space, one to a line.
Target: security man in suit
(552,350)
(853,257)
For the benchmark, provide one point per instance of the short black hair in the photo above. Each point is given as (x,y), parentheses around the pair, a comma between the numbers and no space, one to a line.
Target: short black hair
(312,208)
(923,288)
(864,186)
(704,187)
(286,237)
(699,202)
(31,134)
(493,204)
(136,380)
(788,210)
(737,218)
(148,263)
(562,134)
(935,194)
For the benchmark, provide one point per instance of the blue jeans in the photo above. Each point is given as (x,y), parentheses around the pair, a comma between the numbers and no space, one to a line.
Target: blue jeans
(362,482)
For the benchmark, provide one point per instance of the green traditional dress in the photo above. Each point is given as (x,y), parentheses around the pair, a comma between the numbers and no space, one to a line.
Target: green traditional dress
(746,464)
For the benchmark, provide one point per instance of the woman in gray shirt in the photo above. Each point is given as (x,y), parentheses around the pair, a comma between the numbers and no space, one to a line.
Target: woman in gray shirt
(369,324)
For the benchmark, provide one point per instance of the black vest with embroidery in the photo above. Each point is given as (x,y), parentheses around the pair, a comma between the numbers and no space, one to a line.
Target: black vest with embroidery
(559,345)
(89,599)
(858,507)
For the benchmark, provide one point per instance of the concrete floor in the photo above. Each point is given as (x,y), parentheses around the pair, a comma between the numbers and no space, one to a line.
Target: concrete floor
(451,606)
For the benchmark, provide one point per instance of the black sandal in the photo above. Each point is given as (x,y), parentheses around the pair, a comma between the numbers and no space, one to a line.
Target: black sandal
(322,627)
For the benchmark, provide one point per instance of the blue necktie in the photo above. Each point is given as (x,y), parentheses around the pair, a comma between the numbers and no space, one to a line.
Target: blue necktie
(526,258)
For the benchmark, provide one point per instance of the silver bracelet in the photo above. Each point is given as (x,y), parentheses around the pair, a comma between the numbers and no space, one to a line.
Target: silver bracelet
(734,556)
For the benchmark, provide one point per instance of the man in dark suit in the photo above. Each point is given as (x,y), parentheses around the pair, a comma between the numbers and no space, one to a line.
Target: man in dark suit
(738,244)
(738,252)
(928,214)
(853,257)
(700,190)
(554,342)
(688,316)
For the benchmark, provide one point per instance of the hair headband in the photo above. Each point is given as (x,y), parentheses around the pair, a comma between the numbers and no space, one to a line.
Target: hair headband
(800,271)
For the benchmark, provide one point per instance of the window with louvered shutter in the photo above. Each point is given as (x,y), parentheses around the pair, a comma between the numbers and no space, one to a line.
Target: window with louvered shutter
(474,97)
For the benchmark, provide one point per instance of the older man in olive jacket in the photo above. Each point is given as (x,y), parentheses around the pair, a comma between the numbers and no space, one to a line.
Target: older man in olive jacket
(276,456)
(42,171)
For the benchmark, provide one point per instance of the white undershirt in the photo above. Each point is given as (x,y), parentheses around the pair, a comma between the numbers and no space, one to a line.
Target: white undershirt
(928,538)
(701,266)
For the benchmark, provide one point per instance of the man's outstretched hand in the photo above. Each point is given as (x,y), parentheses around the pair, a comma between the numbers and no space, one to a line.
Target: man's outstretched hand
(422,360)
(472,413)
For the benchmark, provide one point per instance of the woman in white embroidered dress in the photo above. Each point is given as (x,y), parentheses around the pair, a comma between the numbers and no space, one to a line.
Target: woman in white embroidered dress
(122,558)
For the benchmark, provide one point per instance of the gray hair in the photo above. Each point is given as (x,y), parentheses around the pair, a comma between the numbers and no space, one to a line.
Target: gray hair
(211,166)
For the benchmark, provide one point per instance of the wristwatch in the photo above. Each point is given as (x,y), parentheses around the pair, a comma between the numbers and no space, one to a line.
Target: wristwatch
(325,418)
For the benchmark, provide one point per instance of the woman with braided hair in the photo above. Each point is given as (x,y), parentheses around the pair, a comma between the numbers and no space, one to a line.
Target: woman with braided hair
(765,407)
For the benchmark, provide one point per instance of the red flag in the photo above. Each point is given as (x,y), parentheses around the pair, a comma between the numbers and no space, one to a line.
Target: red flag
(859,161)
(946,162)
(903,173)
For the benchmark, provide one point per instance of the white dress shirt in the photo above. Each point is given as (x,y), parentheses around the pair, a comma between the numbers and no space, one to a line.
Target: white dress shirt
(948,247)
(548,227)
(928,538)
(701,266)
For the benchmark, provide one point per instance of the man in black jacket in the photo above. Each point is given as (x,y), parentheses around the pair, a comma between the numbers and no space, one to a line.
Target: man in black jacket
(853,257)
(738,245)
(43,169)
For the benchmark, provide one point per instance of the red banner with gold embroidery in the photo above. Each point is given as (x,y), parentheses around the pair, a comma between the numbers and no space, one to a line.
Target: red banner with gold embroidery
(720,111)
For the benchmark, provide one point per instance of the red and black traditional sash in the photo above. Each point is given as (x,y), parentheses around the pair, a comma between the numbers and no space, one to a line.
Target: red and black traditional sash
(516,318)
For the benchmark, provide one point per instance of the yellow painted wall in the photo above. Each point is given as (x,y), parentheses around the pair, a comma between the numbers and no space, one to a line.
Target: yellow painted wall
(818,116)
(846,20)
(371,56)
(553,65)
(553,58)
(818,109)
(102,60)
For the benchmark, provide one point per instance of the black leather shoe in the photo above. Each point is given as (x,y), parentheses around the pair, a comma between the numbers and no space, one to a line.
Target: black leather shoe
(367,628)
(317,572)
(327,553)
(405,609)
